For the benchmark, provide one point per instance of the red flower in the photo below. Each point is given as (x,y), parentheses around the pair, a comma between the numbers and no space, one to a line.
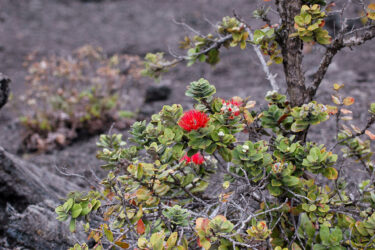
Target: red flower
(197,159)
(193,120)
(232,107)
(186,158)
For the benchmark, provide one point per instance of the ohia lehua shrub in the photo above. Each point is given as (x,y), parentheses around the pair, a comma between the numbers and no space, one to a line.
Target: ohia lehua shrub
(194,179)
(225,175)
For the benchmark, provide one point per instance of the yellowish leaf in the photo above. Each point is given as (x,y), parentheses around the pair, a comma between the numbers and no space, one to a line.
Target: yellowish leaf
(356,129)
(336,100)
(337,86)
(250,104)
(226,184)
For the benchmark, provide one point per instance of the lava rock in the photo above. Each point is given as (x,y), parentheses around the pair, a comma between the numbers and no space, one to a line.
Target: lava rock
(157,93)
(4,89)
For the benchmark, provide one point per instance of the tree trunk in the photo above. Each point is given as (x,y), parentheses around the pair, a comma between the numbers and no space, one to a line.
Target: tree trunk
(291,48)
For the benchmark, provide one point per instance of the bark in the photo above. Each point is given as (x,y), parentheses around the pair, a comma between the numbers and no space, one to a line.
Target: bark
(291,48)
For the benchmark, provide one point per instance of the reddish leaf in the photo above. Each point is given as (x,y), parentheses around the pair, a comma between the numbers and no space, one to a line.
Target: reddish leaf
(346,111)
(348,101)
(371,135)
(346,118)
(202,223)
(282,118)
(121,244)
(140,227)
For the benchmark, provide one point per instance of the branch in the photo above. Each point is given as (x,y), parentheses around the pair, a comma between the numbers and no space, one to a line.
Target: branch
(270,77)
(363,131)
(215,45)
(324,64)
(367,33)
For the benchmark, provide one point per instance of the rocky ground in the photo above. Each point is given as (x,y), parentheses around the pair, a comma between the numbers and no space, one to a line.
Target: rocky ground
(141,26)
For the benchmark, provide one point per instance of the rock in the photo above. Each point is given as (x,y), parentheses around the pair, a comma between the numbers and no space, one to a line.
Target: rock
(157,93)
(4,89)
(29,183)
(28,195)
(37,228)
(333,24)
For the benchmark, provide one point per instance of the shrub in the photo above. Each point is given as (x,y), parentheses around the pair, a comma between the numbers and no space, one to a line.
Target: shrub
(157,193)
(76,95)
(225,176)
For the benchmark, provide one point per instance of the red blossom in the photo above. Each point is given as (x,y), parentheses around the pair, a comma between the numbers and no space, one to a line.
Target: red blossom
(197,159)
(193,120)
(186,158)
(232,107)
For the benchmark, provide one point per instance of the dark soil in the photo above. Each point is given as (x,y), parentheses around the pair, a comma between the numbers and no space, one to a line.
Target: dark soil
(140,26)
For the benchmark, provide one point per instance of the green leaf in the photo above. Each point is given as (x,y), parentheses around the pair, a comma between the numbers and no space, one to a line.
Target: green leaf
(299,20)
(276,183)
(76,210)
(62,217)
(72,225)
(372,108)
(330,173)
(275,191)
(202,58)
(226,154)
(96,204)
(307,227)
(291,180)
(324,235)
(108,233)
(200,187)
(319,247)
(171,242)
(205,243)
(68,205)
(86,208)
(211,149)
(336,236)
(157,240)
(200,89)
(188,179)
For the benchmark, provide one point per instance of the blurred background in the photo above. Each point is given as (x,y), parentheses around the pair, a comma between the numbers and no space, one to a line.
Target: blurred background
(38,33)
